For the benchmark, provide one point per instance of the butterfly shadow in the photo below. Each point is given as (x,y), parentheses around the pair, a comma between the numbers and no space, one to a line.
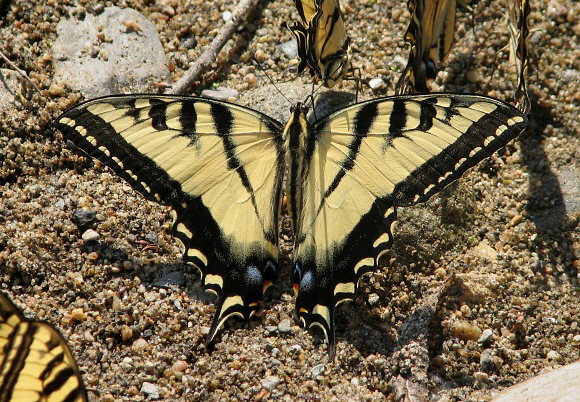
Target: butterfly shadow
(547,207)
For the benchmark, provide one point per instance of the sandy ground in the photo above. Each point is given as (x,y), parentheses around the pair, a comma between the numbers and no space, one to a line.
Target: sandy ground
(508,231)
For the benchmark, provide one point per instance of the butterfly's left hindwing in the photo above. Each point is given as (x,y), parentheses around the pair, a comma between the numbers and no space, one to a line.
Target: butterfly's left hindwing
(35,361)
(218,165)
(363,162)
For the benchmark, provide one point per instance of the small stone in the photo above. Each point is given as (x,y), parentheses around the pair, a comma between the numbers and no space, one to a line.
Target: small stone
(270,382)
(79,314)
(553,355)
(441,273)
(222,94)
(126,332)
(139,345)
(90,235)
(485,336)
(261,56)
(290,49)
(465,330)
(377,84)
(373,299)
(179,366)
(151,390)
(481,377)
(399,62)
(318,370)
(83,217)
(474,76)
(227,15)
(285,326)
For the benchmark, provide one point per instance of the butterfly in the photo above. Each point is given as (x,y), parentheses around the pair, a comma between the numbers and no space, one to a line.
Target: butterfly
(323,45)
(35,361)
(430,35)
(221,168)
(519,10)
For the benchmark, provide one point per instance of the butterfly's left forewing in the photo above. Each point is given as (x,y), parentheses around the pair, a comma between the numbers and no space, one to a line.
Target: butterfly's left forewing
(220,168)
(363,162)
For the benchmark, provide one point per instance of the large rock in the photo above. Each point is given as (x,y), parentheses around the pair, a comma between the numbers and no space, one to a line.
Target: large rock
(560,385)
(114,52)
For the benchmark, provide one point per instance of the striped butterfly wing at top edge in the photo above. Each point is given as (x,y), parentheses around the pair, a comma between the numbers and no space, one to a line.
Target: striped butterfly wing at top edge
(218,165)
(329,43)
(519,10)
(364,161)
(431,36)
(306,10)
(35,361)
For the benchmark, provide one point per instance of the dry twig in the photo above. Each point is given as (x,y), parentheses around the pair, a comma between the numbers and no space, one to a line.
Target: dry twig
(19,71)
(209,55)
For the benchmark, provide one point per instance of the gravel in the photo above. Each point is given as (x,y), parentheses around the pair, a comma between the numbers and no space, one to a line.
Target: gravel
(508,232)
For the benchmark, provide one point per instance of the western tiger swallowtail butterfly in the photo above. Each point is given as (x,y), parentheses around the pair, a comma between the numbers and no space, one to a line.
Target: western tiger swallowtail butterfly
(430,35)
(35,361)
(220,167)
(323,45)
(518,29)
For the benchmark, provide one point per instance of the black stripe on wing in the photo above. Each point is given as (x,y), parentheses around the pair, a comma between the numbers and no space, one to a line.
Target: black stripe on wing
(238,277)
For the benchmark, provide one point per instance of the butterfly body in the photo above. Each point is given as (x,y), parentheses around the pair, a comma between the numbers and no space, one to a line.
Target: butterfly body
(221,167)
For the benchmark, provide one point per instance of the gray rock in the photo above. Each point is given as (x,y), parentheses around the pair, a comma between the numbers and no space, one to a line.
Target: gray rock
(377,84)
(373,299)
(83,217)
(485,336)
(151,390)
(90,236)
(175,278)
(560,385)
(270,382)
(318,370)
(290,48)
(285,327)
(220,93)
(399,61)
(11,88)
(119,58)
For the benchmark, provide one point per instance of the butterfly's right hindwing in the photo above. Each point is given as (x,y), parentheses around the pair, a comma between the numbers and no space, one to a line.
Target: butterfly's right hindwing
(218,165)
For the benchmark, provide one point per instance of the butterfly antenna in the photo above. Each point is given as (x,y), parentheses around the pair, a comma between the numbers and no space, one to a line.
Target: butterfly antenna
(270,79)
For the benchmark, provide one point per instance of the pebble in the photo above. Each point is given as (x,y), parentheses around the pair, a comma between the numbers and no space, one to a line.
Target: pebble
(151,390)
(377,84)
(485,336)
(222,93)
(179,366)
(553,355)
(290,49)
(90,235)
(227,15)
(285,326)
(139,345)
(126,332)
(270,382)
(481,377)
(318,370)
(373,299)
(465,330)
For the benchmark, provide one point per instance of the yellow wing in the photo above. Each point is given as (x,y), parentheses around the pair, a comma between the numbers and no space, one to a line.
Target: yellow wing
(323,44)
(430,35)
(35,361)
(220,168)
(360,164)
(518,29)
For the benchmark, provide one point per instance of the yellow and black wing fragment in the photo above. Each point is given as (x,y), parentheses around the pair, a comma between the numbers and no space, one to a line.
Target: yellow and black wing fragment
(35,361)
(430,35)
(323,44)
(361,163)
(519,10)
(220,168)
